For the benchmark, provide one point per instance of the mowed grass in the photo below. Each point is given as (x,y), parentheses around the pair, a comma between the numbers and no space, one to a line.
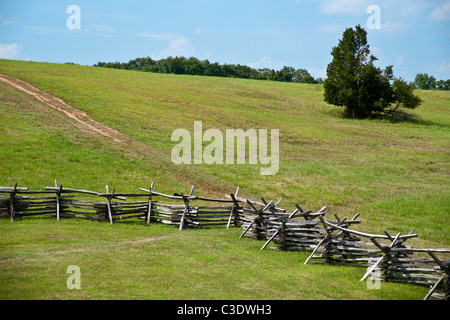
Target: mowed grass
(394,174)
(137,261)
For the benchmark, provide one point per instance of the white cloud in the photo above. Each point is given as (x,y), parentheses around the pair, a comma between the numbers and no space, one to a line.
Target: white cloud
(266,62)
(4,21)
(46,31)
(393,26)
(396,16)
(405,9)
(177,45)
(399,61)
(439,69)
(199,30)
(444,69)
(158,36)
(441,13)
(344,6)
(9,50)
(40,30)
(180,46)
(100,28)
(318,72)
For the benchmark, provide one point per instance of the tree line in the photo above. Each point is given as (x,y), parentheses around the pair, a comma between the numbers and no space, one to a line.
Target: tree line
(425,82)
(194,66)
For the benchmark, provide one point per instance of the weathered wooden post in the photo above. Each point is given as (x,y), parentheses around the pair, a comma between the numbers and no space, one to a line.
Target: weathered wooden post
(444,267)
(282,228)
(108,204)
(235,205)
(150,202)
(259,219)
(11,199)
(186,207)
(328,238)
(388,254)
(58,195)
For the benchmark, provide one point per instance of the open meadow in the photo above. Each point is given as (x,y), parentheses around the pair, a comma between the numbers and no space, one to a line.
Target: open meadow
(396,175)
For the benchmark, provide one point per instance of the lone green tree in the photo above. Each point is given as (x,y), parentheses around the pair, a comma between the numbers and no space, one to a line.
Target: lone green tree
(425,82)
(355,83)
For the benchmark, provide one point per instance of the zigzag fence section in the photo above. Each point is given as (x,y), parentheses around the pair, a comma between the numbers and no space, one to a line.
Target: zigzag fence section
(329,240)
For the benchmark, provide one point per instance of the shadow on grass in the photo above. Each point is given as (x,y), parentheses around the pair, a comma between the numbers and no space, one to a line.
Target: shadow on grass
(400,116)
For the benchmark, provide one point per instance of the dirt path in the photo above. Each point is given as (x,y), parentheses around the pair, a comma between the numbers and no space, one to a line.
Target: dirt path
(82,119)
(85,249)
(121,142)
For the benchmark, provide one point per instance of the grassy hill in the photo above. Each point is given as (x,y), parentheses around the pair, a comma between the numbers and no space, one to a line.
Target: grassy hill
(394,174)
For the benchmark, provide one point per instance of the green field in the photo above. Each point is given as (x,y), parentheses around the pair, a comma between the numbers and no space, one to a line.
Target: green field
(394,174)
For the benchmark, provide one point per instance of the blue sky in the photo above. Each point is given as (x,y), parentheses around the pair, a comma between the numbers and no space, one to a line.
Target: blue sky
(414,35)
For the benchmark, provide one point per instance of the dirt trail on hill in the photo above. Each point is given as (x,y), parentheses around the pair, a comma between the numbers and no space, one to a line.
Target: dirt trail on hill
(83,120)
(83,249)
(120,142)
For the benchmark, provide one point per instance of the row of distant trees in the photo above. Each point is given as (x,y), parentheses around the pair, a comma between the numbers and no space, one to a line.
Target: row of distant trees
(194,66)
(425,82)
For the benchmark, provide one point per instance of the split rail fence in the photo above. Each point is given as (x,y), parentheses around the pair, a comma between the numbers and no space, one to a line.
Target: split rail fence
(64,202)
(385,256)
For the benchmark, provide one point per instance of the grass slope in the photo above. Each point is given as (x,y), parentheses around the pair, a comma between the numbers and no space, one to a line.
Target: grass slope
(394,174)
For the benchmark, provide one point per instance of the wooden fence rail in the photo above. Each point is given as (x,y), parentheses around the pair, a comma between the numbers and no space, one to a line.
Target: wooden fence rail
(65,202)
(418,266)
(386,257)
